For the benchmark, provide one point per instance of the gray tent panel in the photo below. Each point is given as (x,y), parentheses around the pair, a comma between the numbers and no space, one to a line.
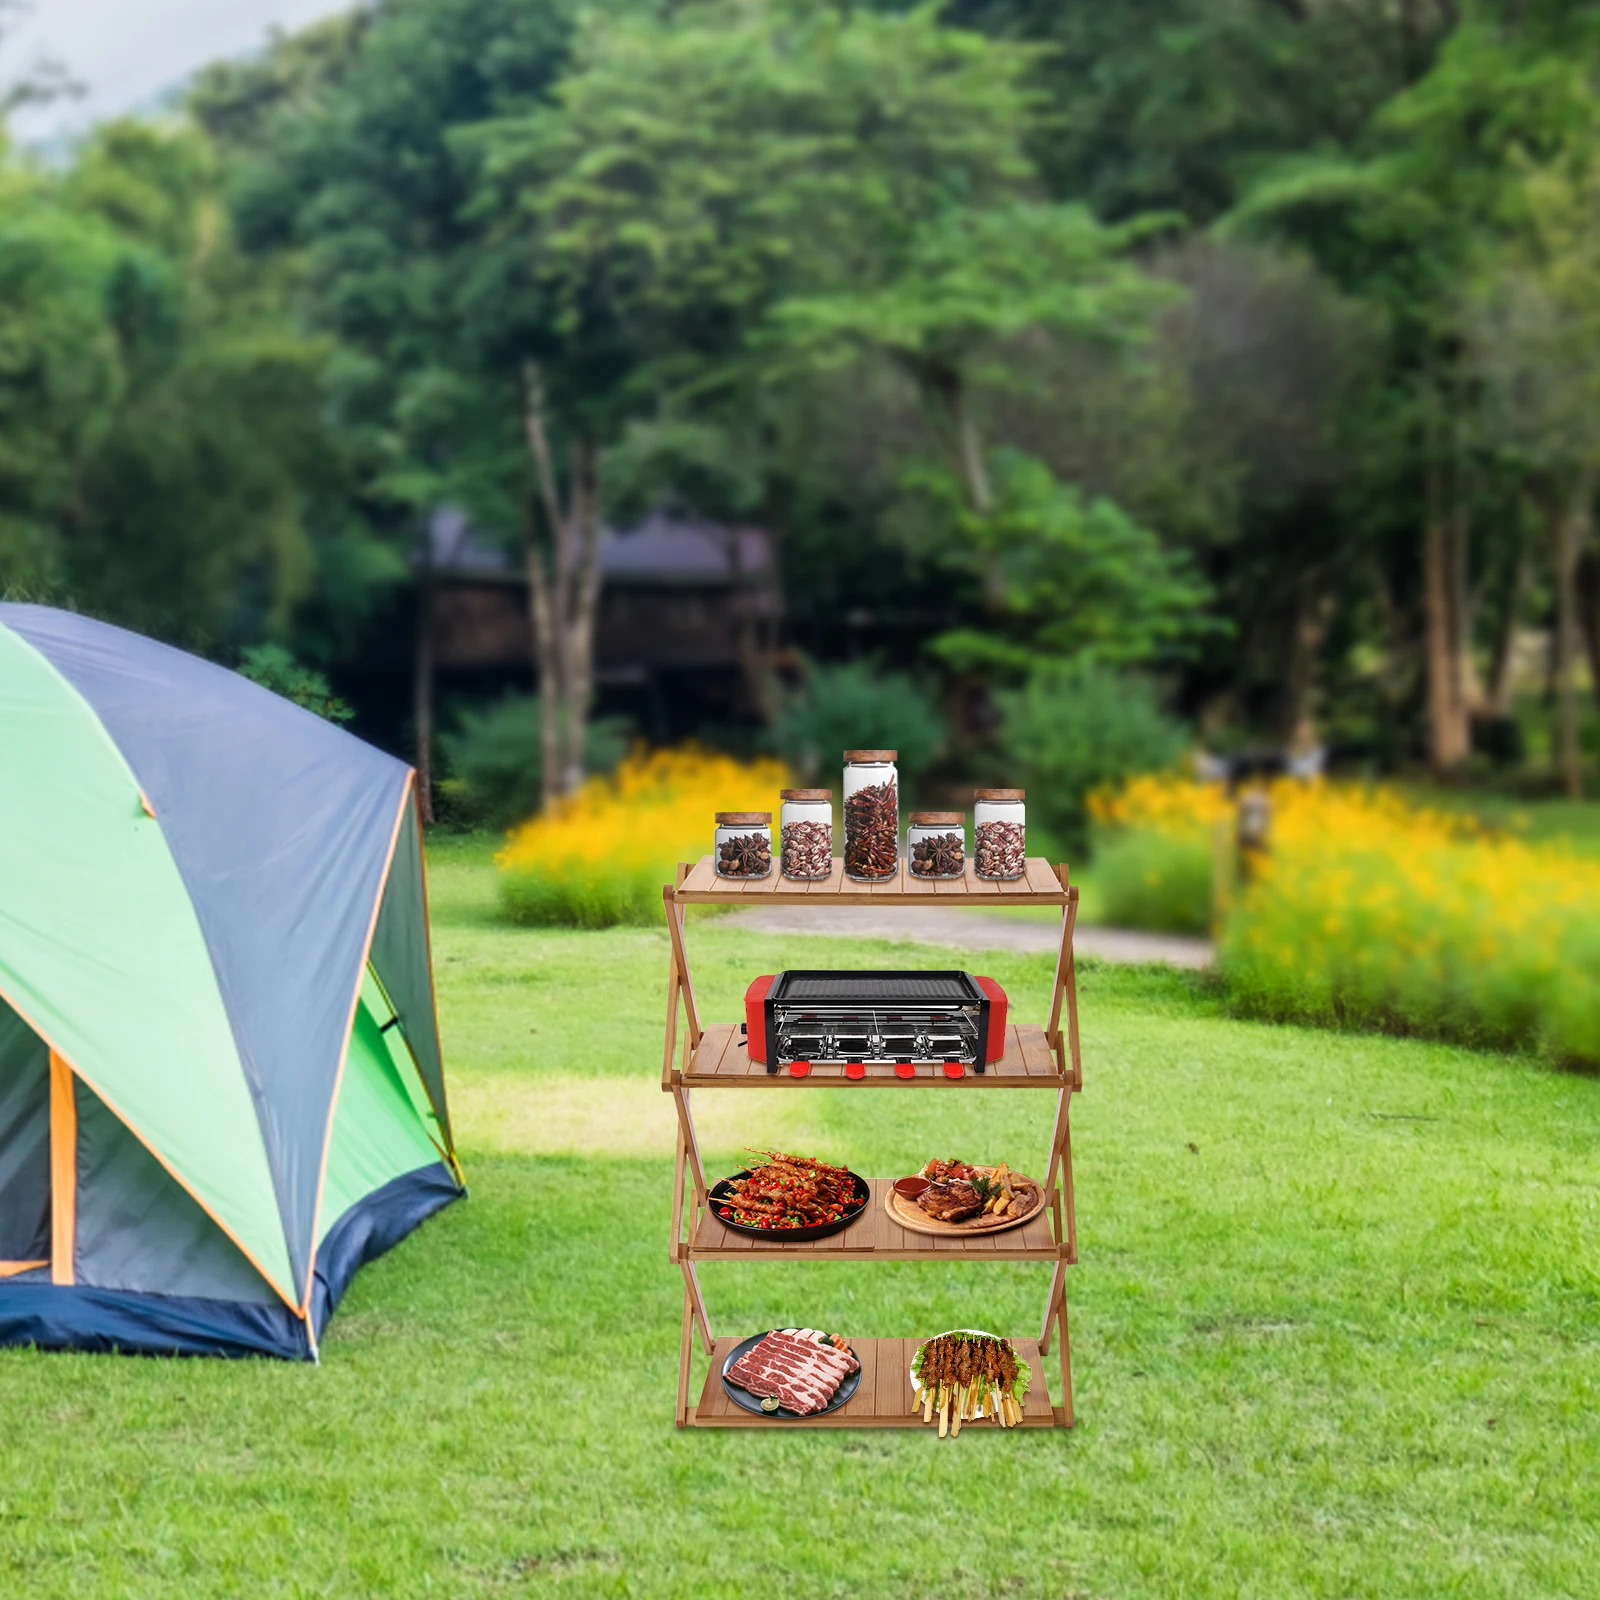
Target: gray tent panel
(401,960)
(280,825)
(24,1141)
(137,1227)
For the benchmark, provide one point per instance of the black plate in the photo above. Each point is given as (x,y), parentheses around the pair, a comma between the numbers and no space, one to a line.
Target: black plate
(721,1195)
(752,1402)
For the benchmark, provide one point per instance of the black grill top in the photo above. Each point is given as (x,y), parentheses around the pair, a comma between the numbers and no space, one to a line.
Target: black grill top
(876,988)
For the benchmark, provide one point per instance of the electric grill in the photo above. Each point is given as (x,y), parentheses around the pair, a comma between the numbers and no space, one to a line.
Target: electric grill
(914,1017)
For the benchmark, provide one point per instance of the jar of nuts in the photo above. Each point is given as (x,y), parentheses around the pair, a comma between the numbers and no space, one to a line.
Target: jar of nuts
(1000,834)
(744,844)
(806,832)
(936,844)
(871,815)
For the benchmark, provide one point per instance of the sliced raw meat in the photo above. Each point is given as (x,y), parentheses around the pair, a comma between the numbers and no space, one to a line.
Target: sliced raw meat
(797,1367)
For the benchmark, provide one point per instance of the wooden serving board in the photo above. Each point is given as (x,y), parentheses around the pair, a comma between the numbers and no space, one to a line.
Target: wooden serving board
(914,1219)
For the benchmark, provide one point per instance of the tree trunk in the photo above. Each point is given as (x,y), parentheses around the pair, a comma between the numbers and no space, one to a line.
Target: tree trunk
(564,594)
(422,685)
(1312,613)
(1447,728)
(1503,665)
(965,438)
(1587,587)
(1468,689)
(1570,530)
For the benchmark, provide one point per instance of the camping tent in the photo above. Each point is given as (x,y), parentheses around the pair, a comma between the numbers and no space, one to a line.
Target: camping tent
(221,1088)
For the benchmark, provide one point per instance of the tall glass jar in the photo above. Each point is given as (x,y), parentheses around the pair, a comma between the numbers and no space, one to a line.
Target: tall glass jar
(744,844)
(871,815)
(1000,834)
(936,844)
(806,832)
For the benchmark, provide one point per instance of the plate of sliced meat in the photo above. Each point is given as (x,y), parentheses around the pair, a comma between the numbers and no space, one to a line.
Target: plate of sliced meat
(791,1372)
(957,1197)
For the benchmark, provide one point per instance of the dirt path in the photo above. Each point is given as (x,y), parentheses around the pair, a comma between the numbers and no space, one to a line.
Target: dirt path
(975,930)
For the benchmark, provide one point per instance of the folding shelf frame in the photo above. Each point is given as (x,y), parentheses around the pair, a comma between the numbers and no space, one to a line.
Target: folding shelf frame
(714,1057)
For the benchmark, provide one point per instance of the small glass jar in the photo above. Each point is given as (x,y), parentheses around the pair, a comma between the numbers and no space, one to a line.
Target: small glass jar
(871,815)
(936,844)
(806,832)
(744,844)
(1000,834)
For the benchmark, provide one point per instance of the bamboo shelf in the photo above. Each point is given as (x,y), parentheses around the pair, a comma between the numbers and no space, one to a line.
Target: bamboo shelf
(714,1057)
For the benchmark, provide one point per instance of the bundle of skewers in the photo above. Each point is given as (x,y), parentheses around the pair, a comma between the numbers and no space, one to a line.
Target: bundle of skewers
(788,1191)
(964,1375)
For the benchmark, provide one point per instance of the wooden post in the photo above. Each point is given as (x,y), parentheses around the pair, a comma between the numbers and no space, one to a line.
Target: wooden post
(1067,1418)
(685,1352)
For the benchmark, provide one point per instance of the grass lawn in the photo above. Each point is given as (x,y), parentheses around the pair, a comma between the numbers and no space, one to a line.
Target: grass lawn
(1336,1332)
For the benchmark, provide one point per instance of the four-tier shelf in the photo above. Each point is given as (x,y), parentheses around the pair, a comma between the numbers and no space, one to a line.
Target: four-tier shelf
(714,1057)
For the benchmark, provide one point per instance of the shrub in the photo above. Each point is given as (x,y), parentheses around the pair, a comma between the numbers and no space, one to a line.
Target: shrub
(1370,911)
(494,752)
(602,855)
(274,668)
(1074,728)
(853,707)
(1157,881)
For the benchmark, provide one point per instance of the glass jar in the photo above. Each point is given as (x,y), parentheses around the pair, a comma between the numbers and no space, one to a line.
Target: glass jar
(871,815)
(1000,834)
(806,836)
(936,844)
(744,844)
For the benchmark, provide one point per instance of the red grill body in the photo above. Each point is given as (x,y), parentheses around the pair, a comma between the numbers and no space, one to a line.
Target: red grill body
(875,1016)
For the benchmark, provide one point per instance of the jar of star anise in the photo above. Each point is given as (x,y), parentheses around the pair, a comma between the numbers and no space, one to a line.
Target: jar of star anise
(936,844)
(744,844)
(1000,833)
(871,815)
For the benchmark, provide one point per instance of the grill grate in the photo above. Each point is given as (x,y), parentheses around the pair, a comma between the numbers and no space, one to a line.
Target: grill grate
(880,988)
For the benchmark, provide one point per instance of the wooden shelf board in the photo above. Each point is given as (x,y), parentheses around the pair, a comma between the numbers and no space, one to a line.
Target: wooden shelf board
(884,1398)
(722,1062)
(1039,887)
(875,1235)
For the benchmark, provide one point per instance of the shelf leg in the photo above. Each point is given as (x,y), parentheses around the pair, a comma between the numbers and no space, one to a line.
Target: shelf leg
(697,1301)
(1058,1283)
(1066,1361)
(1072,1209)
(685,1351)
(691,1144)
(675,1240)
(680,962)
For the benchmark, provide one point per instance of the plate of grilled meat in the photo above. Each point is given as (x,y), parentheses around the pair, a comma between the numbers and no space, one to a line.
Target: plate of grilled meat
(958,1197)
(790,1198)
(965,1375)
(787,1373)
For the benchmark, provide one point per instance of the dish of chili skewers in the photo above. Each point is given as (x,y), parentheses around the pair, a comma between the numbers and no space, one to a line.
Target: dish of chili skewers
(789,1197)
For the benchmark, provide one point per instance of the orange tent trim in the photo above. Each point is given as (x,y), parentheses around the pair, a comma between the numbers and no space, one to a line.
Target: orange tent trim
(63,1171)
(344,1054)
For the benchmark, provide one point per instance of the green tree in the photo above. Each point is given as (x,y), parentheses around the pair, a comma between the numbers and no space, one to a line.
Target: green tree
(162,434)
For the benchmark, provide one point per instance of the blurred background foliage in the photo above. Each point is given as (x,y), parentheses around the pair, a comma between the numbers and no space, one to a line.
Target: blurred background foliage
(1107,378)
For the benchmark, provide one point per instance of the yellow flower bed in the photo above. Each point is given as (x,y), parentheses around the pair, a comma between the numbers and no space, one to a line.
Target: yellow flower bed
(602,855)
(1372,911)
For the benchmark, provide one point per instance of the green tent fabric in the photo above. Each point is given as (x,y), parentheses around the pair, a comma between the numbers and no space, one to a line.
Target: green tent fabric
(218,1047)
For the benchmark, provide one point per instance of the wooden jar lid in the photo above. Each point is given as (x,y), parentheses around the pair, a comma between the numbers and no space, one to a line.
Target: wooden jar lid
(805,794)
(870,755)
(938,819)
(743,819)
(999,794)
